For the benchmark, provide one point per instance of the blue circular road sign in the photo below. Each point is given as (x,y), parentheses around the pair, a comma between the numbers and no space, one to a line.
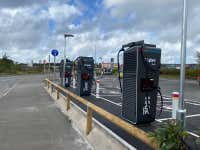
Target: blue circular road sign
(54,52)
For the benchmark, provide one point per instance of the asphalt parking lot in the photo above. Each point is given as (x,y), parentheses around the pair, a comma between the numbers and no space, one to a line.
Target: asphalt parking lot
(110,100)
(109,90)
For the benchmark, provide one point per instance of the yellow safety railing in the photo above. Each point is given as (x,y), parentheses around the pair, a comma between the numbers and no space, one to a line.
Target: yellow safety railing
(129,128)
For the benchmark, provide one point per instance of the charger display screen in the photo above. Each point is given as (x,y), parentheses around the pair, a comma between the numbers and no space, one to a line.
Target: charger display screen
(147,84)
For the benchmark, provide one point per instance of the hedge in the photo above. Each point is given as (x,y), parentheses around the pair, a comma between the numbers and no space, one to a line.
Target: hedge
(190,73)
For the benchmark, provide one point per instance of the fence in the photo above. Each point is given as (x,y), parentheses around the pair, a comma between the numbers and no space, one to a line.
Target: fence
(129,128)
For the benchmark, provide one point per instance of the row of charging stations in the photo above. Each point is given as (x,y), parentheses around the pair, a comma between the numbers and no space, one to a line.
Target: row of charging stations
(141,67)
(83,73)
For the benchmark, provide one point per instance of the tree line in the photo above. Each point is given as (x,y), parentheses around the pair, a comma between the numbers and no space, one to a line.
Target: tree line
(8,66)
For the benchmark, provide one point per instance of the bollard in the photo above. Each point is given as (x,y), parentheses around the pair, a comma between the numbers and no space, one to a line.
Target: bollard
(175,101)
(89,121)
(51,89)
(58,95)
(68,103)
(97,88)
(74,83)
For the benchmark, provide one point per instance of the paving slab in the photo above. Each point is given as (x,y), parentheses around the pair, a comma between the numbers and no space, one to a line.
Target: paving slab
(30,120)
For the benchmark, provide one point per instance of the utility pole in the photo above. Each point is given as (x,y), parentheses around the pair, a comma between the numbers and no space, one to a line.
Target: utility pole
(181,112)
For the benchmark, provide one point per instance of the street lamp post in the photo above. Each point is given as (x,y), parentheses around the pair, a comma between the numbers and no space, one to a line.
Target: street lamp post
(181,112)
(49,67)
(63,79)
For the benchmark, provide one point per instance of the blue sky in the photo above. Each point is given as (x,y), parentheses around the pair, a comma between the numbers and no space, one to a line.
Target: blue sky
(30,29)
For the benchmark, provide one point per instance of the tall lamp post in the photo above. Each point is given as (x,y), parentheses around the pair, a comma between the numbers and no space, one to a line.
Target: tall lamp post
(63,79)
(181,112)
(49,67)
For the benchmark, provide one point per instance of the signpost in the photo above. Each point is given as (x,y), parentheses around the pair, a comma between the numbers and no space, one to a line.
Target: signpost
(54,52)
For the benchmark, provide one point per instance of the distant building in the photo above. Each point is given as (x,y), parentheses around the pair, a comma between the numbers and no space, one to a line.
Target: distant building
(31,64)
(24,66)
(40,61)
(108,65)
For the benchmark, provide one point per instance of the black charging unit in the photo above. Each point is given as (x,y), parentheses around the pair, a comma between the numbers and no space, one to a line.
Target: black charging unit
(141,67)
(68,72)
(84,74)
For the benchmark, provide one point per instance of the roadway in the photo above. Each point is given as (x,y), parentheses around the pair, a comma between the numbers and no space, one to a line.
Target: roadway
(30,119)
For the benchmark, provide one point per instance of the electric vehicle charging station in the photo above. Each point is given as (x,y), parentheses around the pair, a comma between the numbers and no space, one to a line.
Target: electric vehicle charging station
(141,66)
(84,74)
(68,72)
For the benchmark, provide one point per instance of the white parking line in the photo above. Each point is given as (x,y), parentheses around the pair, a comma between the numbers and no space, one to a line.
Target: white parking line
(195,115)
(188,116)
(158,109)
(9,89)
(193,103)
(186,100)
(110,95)
(114,92)
(117,104)
(167,107)
(166,99)
(158,120)
(191,133)
(163,119)
(5,90)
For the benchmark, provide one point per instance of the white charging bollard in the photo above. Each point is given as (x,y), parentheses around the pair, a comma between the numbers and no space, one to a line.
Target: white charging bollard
(175,101)
(74,83)
(97,88)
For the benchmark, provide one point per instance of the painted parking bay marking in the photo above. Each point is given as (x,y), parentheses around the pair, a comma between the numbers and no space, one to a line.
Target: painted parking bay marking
(107,100)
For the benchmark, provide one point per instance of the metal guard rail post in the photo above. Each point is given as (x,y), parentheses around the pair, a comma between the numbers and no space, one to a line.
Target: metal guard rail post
(129,128)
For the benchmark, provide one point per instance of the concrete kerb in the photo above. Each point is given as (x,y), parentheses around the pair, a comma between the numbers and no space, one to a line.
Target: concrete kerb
(101,137)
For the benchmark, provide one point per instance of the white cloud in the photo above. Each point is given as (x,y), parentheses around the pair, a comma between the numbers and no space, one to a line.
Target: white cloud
(163,20)
(25,33)
(60,12)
